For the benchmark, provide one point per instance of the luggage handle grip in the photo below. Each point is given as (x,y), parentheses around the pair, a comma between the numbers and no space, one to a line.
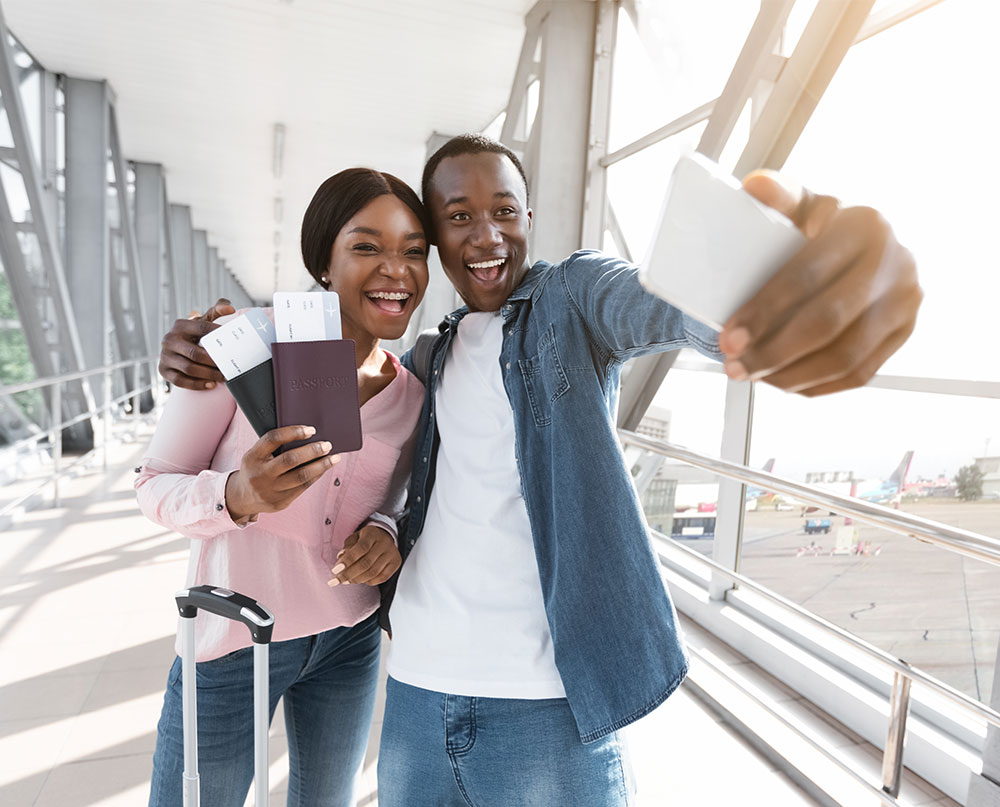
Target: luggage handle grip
(238,607)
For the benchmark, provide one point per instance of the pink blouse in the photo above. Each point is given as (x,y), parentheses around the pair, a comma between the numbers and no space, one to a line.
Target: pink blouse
(283,560)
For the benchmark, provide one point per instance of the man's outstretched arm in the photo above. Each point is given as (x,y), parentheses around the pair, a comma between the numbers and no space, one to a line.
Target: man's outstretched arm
(182,360)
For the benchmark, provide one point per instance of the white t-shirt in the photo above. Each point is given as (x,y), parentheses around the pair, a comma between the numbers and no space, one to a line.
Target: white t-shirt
(468,617)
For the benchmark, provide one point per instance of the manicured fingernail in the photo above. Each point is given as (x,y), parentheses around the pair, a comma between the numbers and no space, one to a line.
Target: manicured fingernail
(341,552)
(308,431)
(338,568)
(332,583)
(735,370)
(737,340)
(210,385)
(334,459)
(325,447)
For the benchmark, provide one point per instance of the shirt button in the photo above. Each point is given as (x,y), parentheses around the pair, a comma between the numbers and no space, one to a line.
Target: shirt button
(418,498)
(508,365)
(413,541)
(336,482)
(425,459)
(328,522)
(219,507)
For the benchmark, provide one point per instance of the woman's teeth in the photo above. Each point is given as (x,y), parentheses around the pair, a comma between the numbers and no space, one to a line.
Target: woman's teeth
(390,301)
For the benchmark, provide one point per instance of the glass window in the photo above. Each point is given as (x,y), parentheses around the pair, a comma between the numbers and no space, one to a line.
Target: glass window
(910,132)
(679,58)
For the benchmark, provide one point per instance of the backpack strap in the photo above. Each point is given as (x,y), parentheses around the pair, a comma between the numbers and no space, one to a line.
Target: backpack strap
(422,351)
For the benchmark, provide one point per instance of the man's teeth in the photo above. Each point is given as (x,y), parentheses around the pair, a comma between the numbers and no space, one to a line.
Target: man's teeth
(487,264)
(389,295)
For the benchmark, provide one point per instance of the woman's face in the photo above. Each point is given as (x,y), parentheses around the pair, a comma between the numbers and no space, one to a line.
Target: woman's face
(378,266)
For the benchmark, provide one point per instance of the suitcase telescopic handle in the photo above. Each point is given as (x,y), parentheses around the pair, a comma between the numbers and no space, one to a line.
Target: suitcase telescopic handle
(230,605)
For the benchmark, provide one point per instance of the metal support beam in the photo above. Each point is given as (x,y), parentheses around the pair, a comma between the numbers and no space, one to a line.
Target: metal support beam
(134,343)
(150,197)
(830,32)
(596,198)
(44,298)
(214,275)
(560,130)
(738,419)
(88,142)
(984,789)
(182,257)
(750,67)
(200,275)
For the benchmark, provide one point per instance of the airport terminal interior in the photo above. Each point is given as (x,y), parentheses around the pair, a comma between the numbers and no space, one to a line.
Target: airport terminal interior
(834,561)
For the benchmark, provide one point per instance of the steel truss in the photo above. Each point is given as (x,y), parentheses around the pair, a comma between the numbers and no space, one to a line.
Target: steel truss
(94,290)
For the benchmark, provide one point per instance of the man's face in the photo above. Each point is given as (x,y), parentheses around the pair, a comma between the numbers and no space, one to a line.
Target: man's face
(481,219)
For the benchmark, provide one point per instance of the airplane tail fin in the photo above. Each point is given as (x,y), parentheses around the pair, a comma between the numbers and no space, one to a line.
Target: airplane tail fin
(899,475)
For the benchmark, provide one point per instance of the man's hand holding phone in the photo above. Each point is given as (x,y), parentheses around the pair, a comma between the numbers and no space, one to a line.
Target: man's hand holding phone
(832,315)
(265,483)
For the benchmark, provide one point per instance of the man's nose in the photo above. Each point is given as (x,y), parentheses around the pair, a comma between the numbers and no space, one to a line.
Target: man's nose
(486,234)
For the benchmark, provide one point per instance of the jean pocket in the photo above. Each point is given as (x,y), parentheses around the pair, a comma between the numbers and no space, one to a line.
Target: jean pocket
(544,378)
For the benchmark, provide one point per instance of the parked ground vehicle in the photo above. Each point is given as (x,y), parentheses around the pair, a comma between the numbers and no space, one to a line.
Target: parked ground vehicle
(814,525)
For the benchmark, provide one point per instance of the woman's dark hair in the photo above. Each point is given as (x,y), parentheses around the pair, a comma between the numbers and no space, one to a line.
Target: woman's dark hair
(338,200)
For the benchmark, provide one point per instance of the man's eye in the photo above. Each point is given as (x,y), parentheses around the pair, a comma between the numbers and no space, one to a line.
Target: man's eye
(506,211)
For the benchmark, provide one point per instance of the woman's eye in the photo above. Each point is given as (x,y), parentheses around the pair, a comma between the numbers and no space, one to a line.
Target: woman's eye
(364,247)
(416,251)
(460,217)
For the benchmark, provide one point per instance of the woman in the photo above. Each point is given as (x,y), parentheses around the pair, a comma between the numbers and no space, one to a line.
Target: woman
(275,527)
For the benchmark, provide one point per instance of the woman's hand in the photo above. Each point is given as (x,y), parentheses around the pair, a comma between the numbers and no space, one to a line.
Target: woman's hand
(369,556)
(265,483)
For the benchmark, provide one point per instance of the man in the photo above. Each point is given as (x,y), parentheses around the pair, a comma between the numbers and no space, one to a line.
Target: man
(530,622)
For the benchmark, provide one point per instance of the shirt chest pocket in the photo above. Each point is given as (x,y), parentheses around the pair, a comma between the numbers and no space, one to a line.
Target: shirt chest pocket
(544,378)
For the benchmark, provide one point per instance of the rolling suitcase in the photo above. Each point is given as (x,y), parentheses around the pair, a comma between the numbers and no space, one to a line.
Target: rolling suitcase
(260,621)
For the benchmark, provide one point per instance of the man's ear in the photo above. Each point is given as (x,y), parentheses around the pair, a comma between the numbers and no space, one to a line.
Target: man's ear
(530,215)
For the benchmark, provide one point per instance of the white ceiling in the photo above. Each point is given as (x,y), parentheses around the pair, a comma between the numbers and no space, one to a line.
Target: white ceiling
(201,83)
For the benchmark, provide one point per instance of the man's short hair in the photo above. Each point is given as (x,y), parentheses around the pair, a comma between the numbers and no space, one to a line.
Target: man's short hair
(468,144)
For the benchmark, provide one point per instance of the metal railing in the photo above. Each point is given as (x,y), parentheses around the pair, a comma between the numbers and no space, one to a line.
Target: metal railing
(58,424)
(964,542)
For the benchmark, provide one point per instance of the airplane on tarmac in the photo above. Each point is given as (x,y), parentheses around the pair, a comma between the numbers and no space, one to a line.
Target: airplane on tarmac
(881,491)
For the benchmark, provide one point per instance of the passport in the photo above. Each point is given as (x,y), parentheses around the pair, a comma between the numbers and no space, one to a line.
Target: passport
(316,384)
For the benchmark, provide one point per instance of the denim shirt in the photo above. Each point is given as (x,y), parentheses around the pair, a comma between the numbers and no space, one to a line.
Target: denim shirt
(568,328)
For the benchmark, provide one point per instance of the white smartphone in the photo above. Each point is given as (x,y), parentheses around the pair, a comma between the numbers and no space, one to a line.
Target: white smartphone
(715,245)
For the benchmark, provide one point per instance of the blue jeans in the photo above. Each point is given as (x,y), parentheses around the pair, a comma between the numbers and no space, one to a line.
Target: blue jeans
(443,750)
(328,682)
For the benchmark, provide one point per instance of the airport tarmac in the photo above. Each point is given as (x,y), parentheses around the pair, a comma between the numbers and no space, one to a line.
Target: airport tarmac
(936,609)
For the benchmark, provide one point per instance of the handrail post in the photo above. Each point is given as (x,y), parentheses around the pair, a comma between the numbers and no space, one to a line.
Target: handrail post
(107,417)
(56,440)
(892,757)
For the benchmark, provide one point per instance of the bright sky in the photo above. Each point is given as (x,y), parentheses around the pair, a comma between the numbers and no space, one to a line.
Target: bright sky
(907,126)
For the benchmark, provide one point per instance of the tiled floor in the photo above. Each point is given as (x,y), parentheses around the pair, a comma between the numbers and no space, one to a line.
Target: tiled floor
(86,637)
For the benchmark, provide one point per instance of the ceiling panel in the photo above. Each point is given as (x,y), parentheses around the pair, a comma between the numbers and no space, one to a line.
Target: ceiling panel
(201,83)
